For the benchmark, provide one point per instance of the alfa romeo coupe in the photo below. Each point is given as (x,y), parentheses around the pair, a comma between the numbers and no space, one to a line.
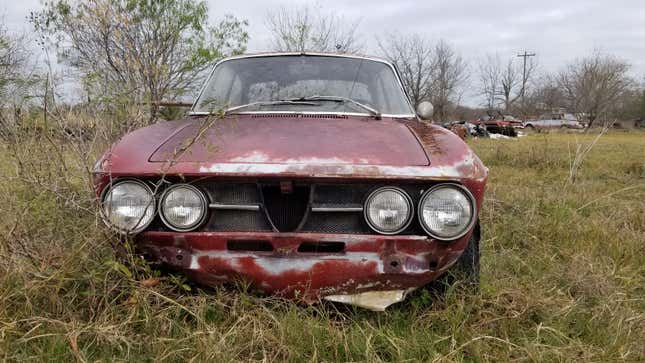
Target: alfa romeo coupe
(306,175)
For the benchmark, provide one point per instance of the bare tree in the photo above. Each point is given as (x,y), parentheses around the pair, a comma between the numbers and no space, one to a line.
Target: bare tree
(138,50)
(510,79)
(13,57)
(503,84)
(490,75)
(429,72)
(413,57)
(545,96)
(449,75)
(307,28)
(593,85)
(17,76)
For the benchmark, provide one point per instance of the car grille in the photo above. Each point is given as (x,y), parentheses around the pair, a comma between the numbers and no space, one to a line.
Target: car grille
(286,210)
(261,206)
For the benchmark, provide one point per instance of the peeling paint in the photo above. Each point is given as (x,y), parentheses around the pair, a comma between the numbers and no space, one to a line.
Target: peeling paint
(194,263)
(275,266)
(252,157)
(329,169)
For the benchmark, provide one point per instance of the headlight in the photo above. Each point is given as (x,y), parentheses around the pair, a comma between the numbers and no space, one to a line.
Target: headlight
(388,210)
(129,206)
(447,211)
(183,207)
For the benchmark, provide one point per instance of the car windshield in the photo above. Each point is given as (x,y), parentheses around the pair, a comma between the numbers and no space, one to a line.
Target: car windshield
(303,83)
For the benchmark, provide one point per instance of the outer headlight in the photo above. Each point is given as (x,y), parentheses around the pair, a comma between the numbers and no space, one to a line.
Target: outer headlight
(388,210)
(128,206)
(447,211)
(183,207)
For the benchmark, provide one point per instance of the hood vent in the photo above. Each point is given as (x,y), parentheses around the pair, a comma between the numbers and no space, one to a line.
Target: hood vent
(299,115)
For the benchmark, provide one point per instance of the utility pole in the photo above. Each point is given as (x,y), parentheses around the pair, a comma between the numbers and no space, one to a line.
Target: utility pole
(525,56)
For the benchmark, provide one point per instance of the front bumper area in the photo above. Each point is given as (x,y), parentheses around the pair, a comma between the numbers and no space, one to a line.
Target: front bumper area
(360,270)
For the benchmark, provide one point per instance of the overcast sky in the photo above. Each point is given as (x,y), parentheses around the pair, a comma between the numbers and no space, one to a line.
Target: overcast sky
(557,30)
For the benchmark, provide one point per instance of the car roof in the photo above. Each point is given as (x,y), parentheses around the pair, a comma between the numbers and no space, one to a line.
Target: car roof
(320,54)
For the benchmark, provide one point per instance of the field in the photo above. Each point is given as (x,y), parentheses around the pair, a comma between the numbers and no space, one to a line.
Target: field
(563,273)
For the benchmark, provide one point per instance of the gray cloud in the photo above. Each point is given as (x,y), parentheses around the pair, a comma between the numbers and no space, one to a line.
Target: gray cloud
(557,30)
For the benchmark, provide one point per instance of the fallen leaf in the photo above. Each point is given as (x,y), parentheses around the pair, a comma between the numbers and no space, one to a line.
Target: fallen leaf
(151,282)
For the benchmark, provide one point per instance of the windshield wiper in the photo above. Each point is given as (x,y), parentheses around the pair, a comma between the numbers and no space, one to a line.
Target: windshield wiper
(307,101)
(374,112)
(270,103)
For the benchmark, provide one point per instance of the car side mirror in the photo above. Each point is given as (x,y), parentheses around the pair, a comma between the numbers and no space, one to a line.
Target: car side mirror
(425,110)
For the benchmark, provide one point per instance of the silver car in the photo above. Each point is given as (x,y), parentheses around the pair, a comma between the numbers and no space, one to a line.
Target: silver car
(554,121)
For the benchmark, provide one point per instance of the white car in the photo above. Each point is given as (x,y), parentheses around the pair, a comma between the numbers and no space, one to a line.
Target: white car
(554,121)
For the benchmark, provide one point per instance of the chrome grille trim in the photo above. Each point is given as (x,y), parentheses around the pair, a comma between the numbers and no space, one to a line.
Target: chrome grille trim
(336,209)
(251,207)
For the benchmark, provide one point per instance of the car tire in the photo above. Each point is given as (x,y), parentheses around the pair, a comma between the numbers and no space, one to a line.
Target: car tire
(465,271)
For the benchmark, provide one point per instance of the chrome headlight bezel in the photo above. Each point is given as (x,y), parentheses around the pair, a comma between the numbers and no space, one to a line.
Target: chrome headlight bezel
(384,189)
(469,196)
(116,183)
(194,225)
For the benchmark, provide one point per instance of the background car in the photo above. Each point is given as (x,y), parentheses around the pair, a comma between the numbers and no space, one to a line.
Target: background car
(497,123)
(555,121)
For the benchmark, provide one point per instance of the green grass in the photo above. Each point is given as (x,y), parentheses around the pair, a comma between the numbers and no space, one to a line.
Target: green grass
(563,274)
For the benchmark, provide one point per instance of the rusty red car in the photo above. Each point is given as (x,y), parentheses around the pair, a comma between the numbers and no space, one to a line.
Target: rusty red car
(307,175)
(498,123)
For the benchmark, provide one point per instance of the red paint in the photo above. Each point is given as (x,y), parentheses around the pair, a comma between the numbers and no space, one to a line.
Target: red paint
(257,139)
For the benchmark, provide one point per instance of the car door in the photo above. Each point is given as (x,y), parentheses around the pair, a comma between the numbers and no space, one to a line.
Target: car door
(555,121)
(541,122)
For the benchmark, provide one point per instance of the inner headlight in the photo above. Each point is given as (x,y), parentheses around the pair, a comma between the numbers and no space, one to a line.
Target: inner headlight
(129,206)
(183,207)
(388,210)
(447,211)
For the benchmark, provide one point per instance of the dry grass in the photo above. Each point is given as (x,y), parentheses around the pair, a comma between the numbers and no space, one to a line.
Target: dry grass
(563,274)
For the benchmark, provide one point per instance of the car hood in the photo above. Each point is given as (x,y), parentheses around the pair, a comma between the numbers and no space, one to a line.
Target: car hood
(322,148)
(293,139)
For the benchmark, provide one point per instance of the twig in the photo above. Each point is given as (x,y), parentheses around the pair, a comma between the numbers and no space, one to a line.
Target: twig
(609,195)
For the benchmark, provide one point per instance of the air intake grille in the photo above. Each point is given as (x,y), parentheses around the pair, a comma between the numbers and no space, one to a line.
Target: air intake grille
(286,210)
(235,220)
